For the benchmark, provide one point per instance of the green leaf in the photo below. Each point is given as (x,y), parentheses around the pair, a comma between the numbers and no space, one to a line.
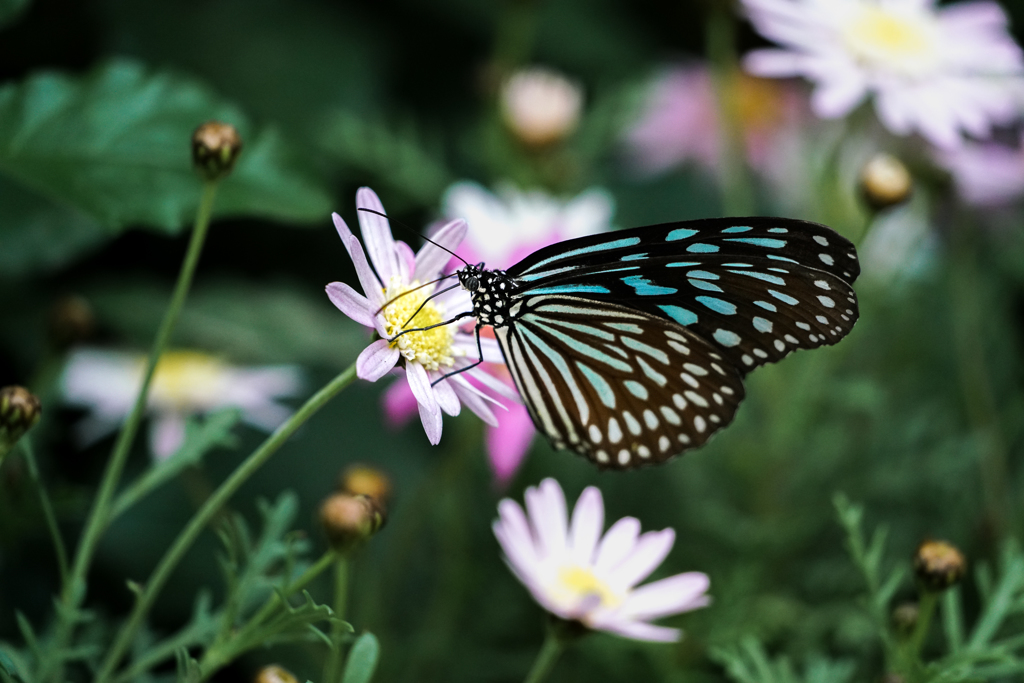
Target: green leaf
(38,235)
(116,145)
(362,659)
(11,10)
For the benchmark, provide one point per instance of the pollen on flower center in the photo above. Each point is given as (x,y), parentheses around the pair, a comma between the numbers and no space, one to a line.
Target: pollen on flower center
(577,584)
(187,379)
(430,348)
(893,41)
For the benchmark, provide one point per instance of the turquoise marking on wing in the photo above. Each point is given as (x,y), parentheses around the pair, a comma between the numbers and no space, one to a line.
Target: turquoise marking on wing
(701,248)
(563,368)
(682,264)
(637,389)
(761,276)
(780,258)
(634,257)
(784,298)
(717,305)
(681,315)
(571,289)
(616,244)
(637,345)
(578,327)
(702,274)
(705,285)
(738,228)
(726,338)
(576,345)
(645,287)
(778,230)
(547,273)
(765,242)
(680,234)
(766,306)
(762,324)
(737,265)
(600,384)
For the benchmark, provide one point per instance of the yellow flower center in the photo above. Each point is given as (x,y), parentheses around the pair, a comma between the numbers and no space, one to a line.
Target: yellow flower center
(430,348)
(187,379)
(897,41)
(576,584)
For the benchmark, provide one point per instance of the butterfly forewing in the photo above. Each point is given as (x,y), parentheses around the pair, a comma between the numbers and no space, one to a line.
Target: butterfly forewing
(620,386)
(756,288)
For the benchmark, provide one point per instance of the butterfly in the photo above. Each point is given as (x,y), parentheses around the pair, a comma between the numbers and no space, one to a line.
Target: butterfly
(631,347)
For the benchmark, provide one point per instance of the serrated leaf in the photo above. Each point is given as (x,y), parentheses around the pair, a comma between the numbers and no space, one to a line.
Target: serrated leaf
(116,144)
(362,659)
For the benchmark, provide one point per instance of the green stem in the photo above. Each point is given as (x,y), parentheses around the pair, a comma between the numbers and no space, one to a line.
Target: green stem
(73,592)
(925,610)
(737,193)
(325,561)
(210,508)
(332,669)
(546,658)
(44,501)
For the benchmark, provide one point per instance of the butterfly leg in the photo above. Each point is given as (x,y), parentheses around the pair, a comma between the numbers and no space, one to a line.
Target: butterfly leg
(460,316)
(479,350)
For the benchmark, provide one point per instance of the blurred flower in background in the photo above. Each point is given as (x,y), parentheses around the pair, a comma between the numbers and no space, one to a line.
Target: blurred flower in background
(395,301)
(541,106)
(679,120)
(987,174)
(577,574)
(504,228)
(939,72)
(185,383)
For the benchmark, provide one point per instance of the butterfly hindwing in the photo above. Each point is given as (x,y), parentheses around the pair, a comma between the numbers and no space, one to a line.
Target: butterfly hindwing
(620,386)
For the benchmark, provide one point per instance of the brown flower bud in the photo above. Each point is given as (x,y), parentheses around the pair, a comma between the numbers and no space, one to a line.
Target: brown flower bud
(274,674)
(368,481)
(19,410)
(349,519)
(939,565)
(893,678)
(885,182)
(904,618)
(71,321)
(215,147)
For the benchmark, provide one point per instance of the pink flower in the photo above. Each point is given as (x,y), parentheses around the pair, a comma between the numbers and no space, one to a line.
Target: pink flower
(576,574)
(504,228)
(988,174)
(679,121)
(939,72)
(396,300)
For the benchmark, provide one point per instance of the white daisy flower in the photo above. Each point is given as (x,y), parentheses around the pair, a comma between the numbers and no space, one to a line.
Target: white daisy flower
(940,72)
(185,383)
(398,298)
(577,575)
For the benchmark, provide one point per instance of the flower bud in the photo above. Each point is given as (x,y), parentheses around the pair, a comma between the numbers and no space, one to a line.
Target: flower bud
(368,481)
(274,674)
(541,106)
(938,565)
(349,519)
(904,618)
(19,410)
(893,678)
(215,146)
(71,321)
(885,182)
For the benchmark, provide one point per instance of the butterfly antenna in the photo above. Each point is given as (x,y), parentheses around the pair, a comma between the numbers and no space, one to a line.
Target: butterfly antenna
(384,215)
(427,300)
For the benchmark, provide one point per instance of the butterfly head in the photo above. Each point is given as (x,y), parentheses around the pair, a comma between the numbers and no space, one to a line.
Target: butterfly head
(470,277)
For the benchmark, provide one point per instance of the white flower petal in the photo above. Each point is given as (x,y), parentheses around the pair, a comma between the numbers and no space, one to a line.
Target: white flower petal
(475,400)
(650,551)
(376,360)
(587,523)
(641,631)
(350,302)
(675,594)
(547,512)
(430,411)
(445,395)
(377,234)
(431,259)
(617,544)
(166,435)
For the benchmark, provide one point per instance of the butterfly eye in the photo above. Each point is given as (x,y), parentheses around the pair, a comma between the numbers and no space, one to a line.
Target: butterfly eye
(472,284)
